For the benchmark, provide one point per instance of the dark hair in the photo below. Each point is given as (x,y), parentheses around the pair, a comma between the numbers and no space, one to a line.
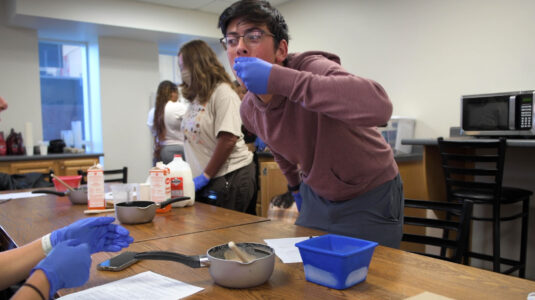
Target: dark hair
(165,89)
(256,12)
(206,71)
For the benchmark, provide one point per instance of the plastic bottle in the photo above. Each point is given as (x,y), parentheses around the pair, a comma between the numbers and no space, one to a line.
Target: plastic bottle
(160,185)
(181,181)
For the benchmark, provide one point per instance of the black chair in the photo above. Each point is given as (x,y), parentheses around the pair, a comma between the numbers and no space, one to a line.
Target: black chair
(117,175)
(461,226)
(474,171)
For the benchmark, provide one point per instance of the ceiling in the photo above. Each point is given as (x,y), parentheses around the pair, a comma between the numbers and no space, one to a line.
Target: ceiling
(209,6)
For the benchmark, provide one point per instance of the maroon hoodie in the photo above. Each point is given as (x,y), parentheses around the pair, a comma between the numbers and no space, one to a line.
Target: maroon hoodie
(322,121)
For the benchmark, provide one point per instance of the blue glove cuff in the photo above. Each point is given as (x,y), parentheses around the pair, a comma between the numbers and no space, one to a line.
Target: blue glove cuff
(200,181)
(54,238)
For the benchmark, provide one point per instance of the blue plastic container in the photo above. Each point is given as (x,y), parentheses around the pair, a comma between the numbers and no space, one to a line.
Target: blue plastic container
(336,261)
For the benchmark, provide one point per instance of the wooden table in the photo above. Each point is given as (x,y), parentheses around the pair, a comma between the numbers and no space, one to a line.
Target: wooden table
(24,220)
(393,274)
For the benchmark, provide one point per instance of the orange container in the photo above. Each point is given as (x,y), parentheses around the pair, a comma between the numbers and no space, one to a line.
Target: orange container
(73,181)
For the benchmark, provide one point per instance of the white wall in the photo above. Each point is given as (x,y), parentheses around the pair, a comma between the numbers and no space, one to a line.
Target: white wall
(122,13)
(128,76)
(19,79)
(426,53)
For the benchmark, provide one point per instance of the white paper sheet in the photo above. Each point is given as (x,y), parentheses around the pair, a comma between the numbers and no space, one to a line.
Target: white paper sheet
(146,285)
(5,197)
(286,250)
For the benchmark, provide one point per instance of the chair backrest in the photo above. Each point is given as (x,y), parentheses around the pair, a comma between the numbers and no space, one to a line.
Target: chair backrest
(116,175)
(460,225)
(473,169)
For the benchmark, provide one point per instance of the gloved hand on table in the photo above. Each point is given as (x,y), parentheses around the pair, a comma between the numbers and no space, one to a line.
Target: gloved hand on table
(66,266)
(254,73)
(98,233)
(200,181)
(259,144)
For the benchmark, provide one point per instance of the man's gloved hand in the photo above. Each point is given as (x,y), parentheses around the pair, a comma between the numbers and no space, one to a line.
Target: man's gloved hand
(200,181)
(259,144)
(254,73)
(283,200)
(298,199)
(98,233)
(66,266)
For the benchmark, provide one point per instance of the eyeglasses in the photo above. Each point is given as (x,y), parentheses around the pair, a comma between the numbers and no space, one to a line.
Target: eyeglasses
(251,38)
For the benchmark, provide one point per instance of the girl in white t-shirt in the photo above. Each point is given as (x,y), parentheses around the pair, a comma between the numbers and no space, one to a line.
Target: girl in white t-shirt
(220,161)
(165,120)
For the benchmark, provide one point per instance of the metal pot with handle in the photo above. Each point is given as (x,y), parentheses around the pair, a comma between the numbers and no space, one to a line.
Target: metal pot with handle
(226,270)
(138,212)
(76,196)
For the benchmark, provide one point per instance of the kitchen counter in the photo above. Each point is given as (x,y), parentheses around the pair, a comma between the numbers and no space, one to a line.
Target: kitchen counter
(61,164)
(433,142)
(48,156)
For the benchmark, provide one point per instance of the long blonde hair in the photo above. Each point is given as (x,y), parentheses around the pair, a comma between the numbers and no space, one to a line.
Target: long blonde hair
(205,69)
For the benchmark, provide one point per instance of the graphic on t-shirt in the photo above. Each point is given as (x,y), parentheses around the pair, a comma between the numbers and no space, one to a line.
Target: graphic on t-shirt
(191,123)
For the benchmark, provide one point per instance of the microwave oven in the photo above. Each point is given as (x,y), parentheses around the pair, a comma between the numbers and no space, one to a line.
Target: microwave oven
(499,114)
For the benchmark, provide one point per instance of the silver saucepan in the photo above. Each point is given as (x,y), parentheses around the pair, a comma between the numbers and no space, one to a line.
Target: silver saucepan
(225,269)
(138,212)
(76,196)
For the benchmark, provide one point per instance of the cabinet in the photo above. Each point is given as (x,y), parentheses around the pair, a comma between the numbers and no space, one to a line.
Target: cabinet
(61,165)
(272,183)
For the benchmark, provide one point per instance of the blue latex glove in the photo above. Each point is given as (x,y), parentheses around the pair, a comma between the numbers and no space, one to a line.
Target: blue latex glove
(66,266)
(298,199)
(98,233)
(260,145)
(254,73)
(200,181)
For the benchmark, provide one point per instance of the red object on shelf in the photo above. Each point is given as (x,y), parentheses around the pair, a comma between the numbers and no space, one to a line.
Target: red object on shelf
(14,143)
(3,147)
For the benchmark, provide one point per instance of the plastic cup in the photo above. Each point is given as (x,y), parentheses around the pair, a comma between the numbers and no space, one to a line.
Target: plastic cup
(144,192)
(122,192)
(43,149)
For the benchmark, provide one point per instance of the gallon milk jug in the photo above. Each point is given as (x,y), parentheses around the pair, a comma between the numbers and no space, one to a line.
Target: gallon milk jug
(181,181)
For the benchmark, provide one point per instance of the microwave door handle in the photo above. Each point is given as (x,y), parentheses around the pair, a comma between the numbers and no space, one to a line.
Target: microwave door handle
(512,112)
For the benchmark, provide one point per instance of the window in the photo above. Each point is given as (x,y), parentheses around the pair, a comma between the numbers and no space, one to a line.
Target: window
(64,92)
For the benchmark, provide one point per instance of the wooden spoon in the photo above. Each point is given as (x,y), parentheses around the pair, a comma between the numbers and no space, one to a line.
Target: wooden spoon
(62,182)
(239,252)
(98,211)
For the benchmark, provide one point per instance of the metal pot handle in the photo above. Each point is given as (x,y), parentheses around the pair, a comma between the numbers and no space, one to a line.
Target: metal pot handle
(169,201)
(194,261)
(62,194)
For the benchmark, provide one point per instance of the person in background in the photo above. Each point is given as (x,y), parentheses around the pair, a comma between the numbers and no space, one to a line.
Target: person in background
(319,121)
(222,166)
(164,122)
(60,259)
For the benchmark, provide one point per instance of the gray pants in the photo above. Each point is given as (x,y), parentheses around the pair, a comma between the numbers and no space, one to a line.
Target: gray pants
(167,153)
(376,215)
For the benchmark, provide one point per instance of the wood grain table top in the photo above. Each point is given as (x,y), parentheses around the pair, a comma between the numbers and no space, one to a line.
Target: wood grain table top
(393,273)
(26,219)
